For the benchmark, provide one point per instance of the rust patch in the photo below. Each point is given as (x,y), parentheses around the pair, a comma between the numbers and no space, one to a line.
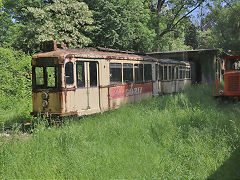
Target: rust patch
(69,89)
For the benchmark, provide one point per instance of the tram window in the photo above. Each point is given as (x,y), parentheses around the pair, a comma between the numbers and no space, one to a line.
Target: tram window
(156,72)
(80,74)
(160,72)
(127,72)
(115,73)
(187,73)
(165,73)
(184,73)
(177,73)
(173,74)
(51,78)
(147,72)
(170,72)
(181,72)
(69,73)
(39,76)
(233,64)
(93,73)
(138,72)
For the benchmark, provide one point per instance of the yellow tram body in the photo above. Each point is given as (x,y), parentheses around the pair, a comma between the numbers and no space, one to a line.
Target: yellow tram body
(86,81)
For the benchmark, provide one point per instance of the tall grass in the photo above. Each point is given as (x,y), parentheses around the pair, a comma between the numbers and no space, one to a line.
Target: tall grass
(182,136)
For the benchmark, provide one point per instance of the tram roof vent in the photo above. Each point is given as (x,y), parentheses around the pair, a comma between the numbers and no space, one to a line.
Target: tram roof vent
(52,45)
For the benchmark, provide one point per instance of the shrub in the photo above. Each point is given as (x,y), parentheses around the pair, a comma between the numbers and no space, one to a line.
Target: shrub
(15,81)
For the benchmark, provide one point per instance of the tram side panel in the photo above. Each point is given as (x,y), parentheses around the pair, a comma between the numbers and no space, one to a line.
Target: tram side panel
(123,89)
(104,84)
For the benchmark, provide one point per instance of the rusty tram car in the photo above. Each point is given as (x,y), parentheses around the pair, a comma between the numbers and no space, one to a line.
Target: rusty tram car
(86,81)
(231,75)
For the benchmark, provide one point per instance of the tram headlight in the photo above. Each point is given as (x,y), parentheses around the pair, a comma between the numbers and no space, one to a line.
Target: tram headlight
(44,104)
(44,95)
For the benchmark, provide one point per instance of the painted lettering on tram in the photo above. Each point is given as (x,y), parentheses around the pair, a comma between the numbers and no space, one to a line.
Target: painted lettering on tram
(126,91)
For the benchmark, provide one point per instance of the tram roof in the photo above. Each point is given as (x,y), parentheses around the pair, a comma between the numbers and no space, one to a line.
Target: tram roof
(172,61)
(91,54)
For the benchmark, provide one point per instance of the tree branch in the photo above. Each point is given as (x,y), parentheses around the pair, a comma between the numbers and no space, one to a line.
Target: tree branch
(176,15)
(174,25)
(160,5)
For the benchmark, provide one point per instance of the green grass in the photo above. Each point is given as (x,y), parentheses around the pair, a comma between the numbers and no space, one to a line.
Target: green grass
(16,113)
(182,136)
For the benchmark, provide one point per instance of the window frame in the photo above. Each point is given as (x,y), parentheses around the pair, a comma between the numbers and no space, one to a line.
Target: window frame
(57,77)
(177,72)
(165,72)
(123,77)
(169,72)
(97,77)
(160,72)
(84,73)
(110,74)
(142,73)
(73,79)
(149,80)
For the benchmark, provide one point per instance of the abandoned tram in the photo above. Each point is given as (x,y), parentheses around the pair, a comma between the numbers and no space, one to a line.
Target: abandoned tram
(86,81)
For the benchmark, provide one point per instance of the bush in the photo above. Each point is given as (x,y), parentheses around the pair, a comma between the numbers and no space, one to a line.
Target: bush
(15,82)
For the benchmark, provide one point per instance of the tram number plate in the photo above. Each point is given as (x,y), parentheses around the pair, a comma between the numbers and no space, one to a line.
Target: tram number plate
(126,91)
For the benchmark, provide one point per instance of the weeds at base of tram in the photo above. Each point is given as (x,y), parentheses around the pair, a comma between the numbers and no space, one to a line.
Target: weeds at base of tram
(183,136)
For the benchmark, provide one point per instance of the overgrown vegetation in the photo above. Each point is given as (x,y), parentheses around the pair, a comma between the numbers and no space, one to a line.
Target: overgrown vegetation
(15,86)
(182,136)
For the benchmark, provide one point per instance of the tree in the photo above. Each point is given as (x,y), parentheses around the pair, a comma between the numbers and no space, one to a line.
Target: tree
(17,8)
(65,21)
(222,26)
(122,24)
(167,15)
(191,35)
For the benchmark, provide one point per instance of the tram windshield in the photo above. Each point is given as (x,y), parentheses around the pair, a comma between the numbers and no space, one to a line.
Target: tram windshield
(233,64)
(45,77)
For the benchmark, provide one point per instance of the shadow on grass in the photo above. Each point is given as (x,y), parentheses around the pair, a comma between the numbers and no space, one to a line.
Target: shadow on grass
(14,120)
(230,168)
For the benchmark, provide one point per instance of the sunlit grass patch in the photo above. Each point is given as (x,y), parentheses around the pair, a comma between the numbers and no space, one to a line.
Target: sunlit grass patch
(183,136)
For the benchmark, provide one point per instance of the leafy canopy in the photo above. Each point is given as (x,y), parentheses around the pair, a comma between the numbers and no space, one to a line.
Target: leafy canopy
(222,26)
(64,21)
(122,24)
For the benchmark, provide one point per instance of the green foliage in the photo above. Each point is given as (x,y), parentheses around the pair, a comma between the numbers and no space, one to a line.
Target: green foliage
(63,21)
(183,136)
(172,42)
(15,86)
(122,24)
(170,15)
(192,36)
(9,31)
(222,27)
(17,8)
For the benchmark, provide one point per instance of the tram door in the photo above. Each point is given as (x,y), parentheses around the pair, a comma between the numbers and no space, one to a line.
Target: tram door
(87,93)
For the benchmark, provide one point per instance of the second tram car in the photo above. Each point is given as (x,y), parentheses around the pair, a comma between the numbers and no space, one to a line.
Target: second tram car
(86,81)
